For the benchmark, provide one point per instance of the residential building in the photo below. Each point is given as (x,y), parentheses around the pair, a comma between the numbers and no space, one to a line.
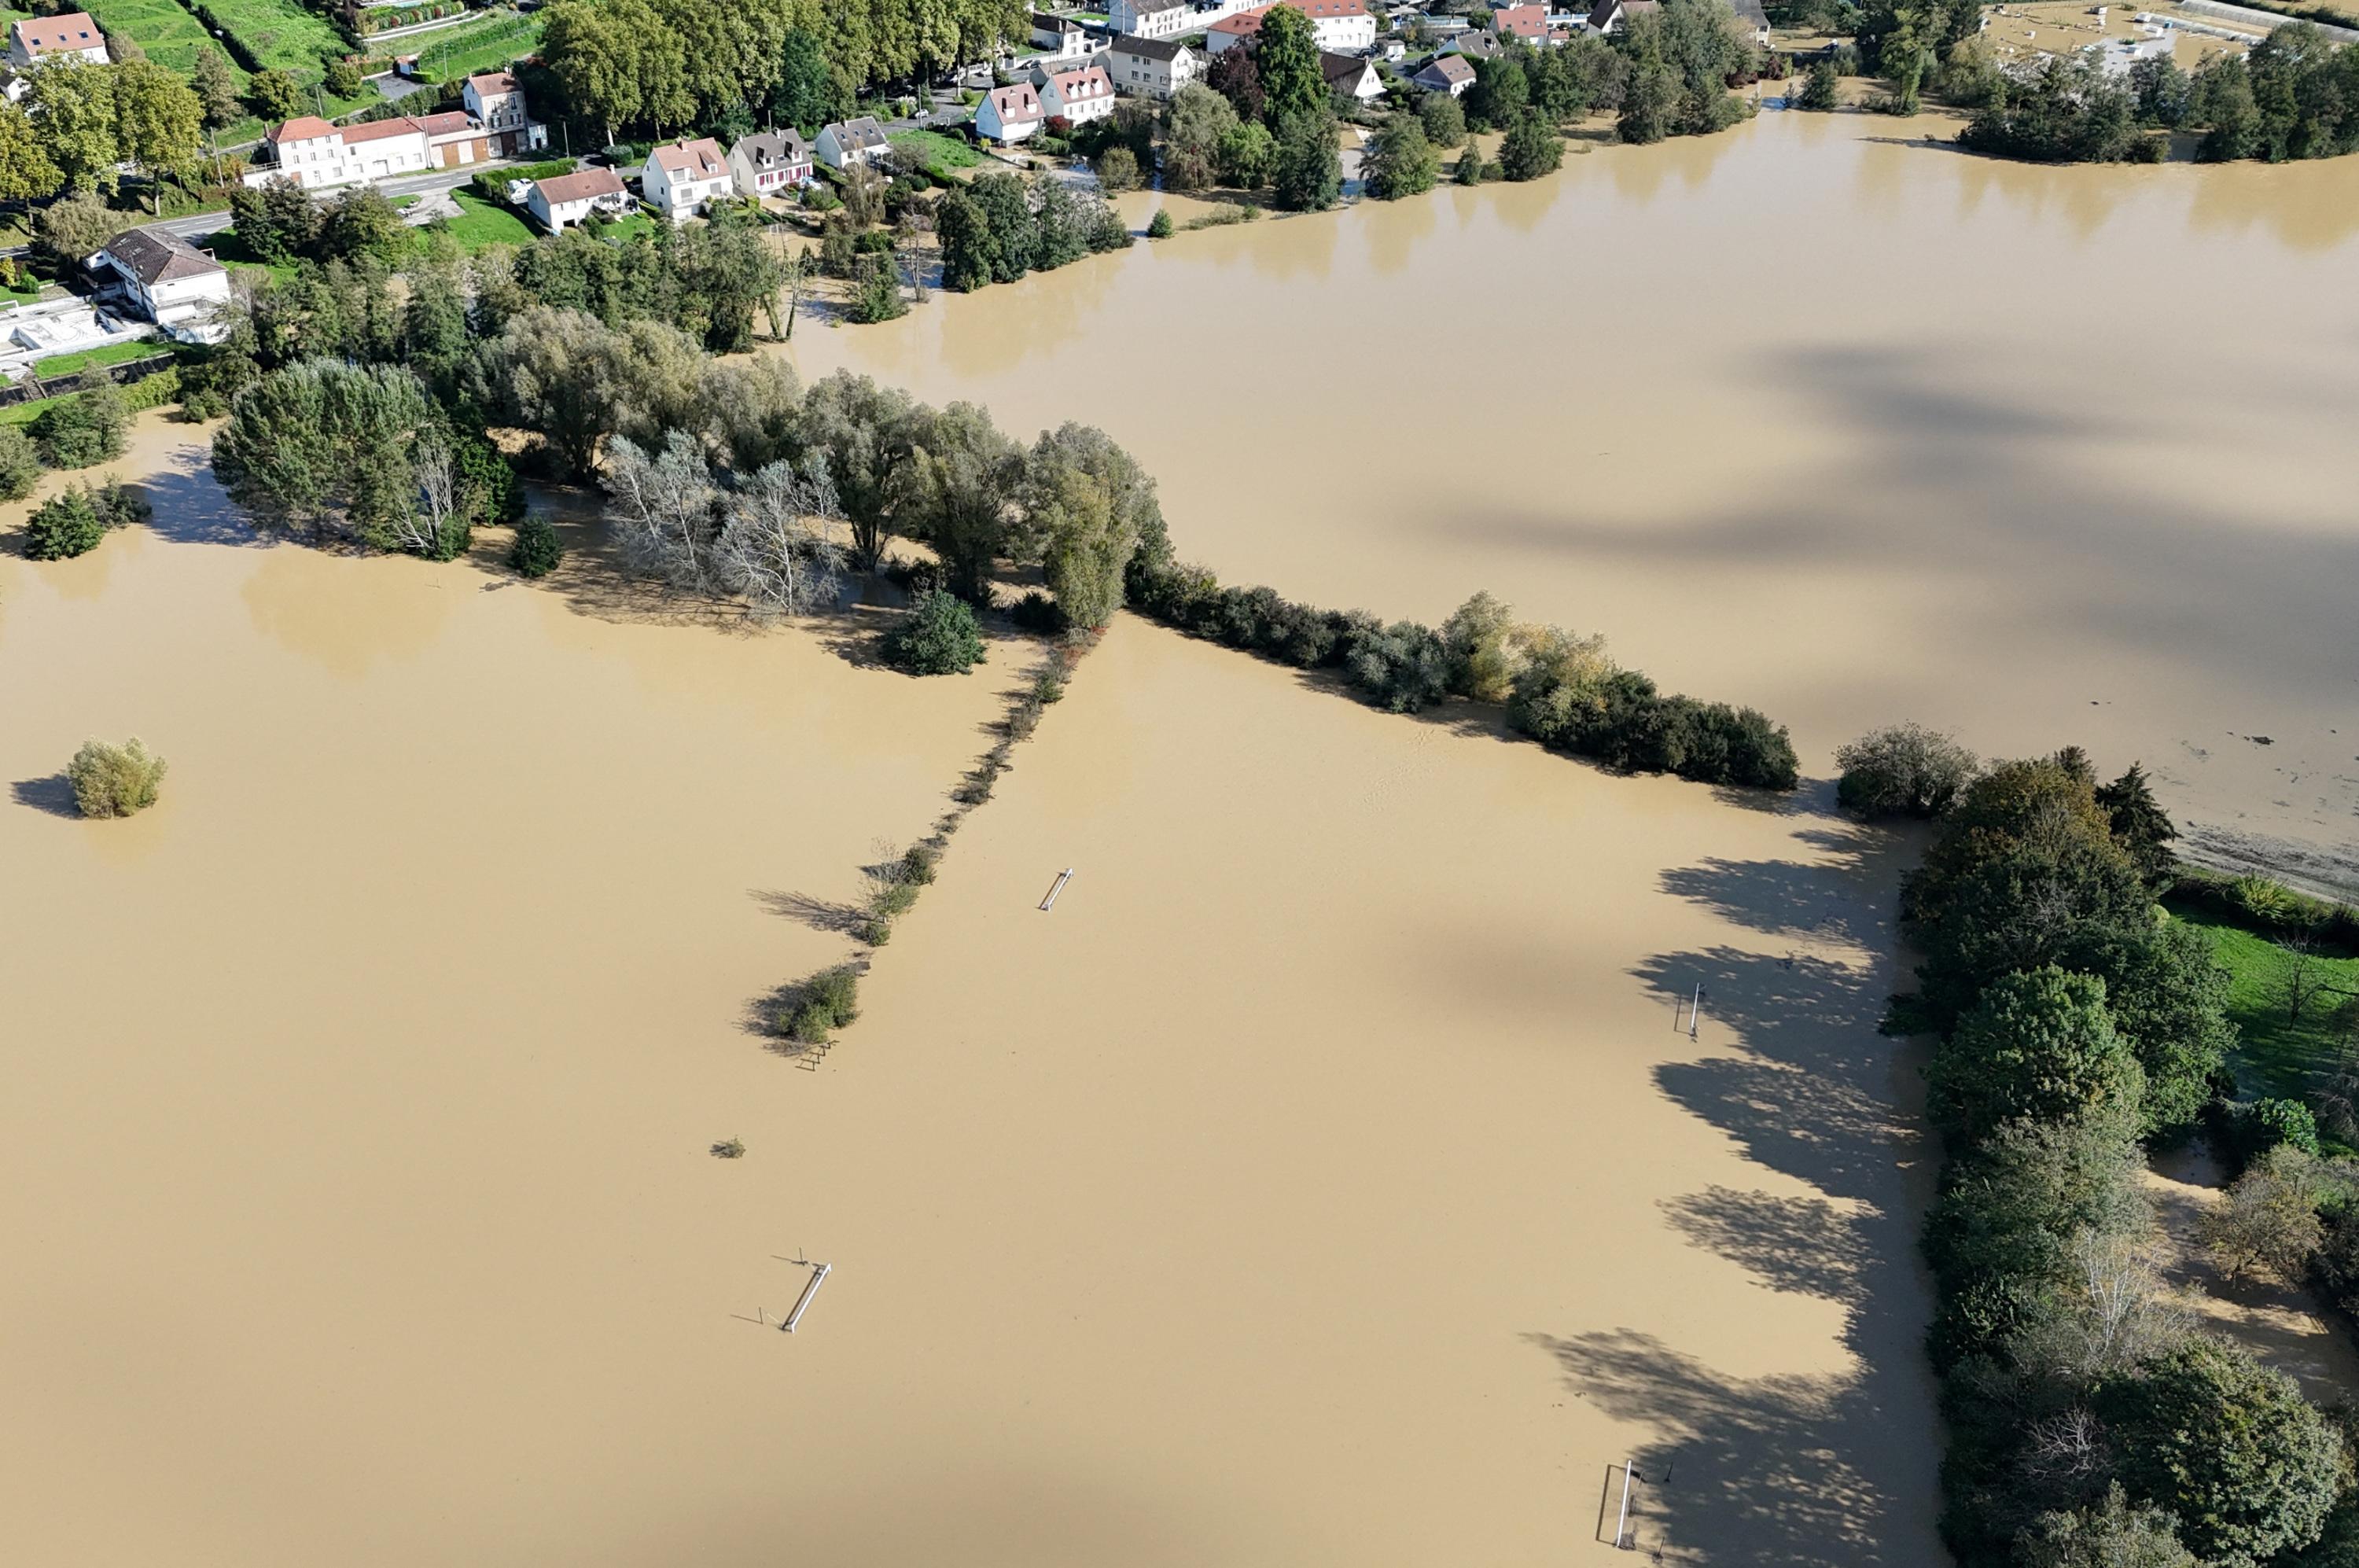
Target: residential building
(1008,115)
(681,179)
(317,156)
(453,139)
(770,164)
(1475,46)
(1351,74)
(1168,18)
(1062,35)
(1446,73)
(569,198)
(1608,16)
(847,142)
(495,99)
(1528,23)
(1343,25)
(1151,68)
(155,274)
(37,40)
(1753,21)
(1079,93)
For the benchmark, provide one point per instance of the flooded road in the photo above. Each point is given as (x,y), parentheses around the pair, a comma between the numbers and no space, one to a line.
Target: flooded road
(1799,416)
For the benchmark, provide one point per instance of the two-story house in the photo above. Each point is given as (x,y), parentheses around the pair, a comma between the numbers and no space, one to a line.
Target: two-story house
(312,153)
(498,104)
(1010,115)
(35,41)
(155,274)
(1151,68)
(1079,93)
(681,179)
(770,163)
(845,143)
(1345,26)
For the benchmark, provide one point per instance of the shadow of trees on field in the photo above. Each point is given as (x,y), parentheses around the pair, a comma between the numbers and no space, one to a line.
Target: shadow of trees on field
(53,795)
(1834,1468)
(820,914)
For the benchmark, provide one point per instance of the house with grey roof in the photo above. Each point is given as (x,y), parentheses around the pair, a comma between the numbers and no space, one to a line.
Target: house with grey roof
(155,275)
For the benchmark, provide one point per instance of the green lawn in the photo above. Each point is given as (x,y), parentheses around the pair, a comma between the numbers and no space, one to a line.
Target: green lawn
(280,34)
(112,354)
(477,46)
(630,227)
(937,153)
(480,224)
(2276,1055)
(166,30)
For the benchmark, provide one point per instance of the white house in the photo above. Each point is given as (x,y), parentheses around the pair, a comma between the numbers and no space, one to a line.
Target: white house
(770,164)
(1151,18)
(1062,35)
(1008,115)
(1354,75)
(1445,73)
(1151,68)
(1532,23)
(498,104)
(163,277)
(847,142)
(1080,92)
(312,153)
(1345,26)
(37,40)
(569,198)
(1752,20)
(681,179)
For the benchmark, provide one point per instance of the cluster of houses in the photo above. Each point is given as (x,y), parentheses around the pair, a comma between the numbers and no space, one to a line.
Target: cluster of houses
(1151,49)
(682,179)
(308,152)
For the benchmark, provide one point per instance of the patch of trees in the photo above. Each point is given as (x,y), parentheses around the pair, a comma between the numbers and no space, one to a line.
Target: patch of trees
(80,124)
(666,64)
(1559,688)
(73,522)
(1002,225)
(1680,59)
(2090,1422)
(2295,96)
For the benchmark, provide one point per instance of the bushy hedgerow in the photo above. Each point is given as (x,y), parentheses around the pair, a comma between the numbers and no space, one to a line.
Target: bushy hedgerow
(1559,690)
(822,1005)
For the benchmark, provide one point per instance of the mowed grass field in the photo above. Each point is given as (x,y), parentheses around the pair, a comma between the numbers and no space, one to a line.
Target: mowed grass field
(2277,1053)
(478,47)
(280,34)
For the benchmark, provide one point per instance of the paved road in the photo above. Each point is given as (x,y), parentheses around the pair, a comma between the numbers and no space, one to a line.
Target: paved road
(197,225)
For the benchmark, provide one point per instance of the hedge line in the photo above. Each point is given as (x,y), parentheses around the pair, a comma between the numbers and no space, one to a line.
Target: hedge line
(1557,689)
(2270,908)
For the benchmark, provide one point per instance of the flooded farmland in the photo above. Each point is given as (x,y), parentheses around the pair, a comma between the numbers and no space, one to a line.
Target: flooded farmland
(1799,416)
(1326,1179)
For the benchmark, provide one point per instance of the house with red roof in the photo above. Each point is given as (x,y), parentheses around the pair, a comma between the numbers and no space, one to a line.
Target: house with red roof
(1344,26)
(681,179)
(1010,115)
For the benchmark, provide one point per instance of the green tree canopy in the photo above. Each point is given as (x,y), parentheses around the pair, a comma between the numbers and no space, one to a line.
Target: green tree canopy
(2039,1045)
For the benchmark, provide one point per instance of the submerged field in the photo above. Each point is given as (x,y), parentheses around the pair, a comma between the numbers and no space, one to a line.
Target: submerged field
(1322,1181)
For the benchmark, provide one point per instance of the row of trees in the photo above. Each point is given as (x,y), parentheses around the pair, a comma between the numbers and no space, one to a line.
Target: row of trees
(1558,688)
(2090,1422)
(665,65)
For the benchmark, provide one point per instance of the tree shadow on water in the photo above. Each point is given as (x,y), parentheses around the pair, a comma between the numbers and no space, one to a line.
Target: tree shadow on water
(53,795)
(1835,1468)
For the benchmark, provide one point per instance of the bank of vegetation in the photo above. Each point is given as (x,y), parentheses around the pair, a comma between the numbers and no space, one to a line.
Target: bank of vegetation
(2075,1021)
(2295,95)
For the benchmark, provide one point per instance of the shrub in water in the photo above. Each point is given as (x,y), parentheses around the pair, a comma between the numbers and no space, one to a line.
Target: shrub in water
(114,780)
(1158,227)
(77,432)
(1903,770)
(729,1149)
(20,465)
(937,638)
(1039,613)
(826,1001)
(536,549)
(64,525)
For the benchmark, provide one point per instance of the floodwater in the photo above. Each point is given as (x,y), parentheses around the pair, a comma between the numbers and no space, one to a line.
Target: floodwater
(1804,416)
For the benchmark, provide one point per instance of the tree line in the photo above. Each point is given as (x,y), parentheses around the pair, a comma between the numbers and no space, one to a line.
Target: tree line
(666,65)
(2090,1421)
(1557,686)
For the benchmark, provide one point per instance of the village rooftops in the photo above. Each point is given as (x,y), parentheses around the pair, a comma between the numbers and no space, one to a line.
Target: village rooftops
(699,159)
(582,185)
(303,128)
(377,130)
(765,149)
(156,255)
(492,84)
(860,135)
(1016,105)
(1527,22)
(71,33)
(1445,72)
(450,121)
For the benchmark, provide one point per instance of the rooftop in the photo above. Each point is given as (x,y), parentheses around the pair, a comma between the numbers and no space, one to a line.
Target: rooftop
(43,34)
(158,254)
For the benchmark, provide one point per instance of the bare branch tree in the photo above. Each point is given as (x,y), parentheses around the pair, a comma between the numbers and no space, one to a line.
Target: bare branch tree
(435,514)
(662,509)
(776,550)
(2303,979)
(2064,1450)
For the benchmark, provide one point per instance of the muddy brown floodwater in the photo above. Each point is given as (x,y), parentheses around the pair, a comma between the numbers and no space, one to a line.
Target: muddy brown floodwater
(1800,416)
(1324,1179)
